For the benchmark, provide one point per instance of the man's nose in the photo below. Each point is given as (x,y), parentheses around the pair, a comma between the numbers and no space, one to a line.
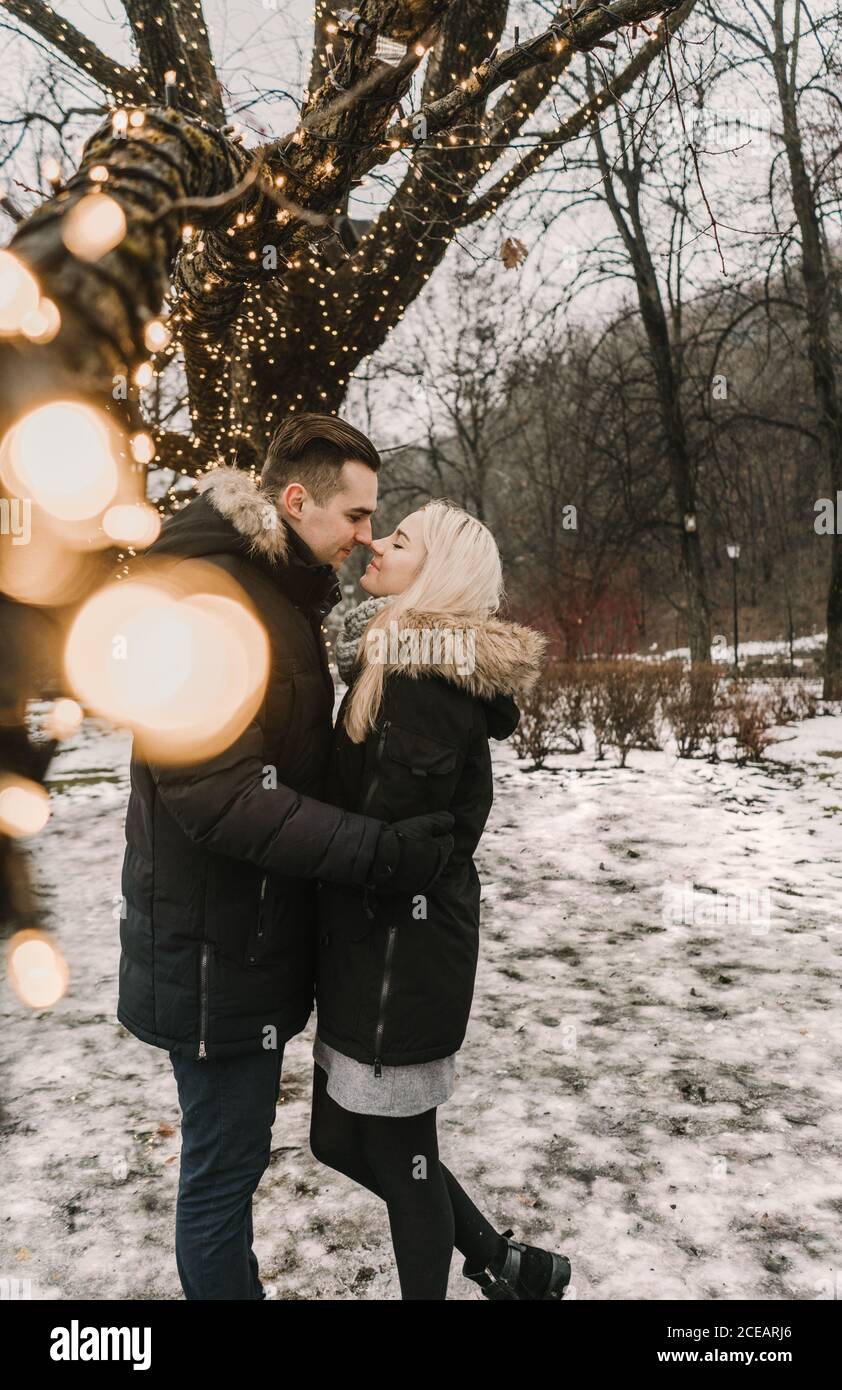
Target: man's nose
(362,533)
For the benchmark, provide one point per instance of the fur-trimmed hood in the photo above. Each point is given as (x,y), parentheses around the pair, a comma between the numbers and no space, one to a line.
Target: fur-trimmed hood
(233,494)
(231,516)
(486,657)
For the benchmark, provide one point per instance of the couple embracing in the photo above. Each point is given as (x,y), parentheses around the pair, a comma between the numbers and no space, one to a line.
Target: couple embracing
(350,877)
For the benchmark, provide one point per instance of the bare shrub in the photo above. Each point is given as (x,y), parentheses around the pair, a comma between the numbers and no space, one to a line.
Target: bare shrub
(537,734)
(792,700)
(751,716)
(554,714)
(598,704)
(693,705)
(623,705)
(572,705)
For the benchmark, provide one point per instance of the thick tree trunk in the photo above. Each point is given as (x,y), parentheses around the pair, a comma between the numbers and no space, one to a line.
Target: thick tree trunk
(682,472)
(663,354)
(817,293)
(106,303)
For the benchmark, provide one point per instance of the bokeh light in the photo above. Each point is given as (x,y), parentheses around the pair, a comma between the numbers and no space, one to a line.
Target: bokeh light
(38,972)
(178,656)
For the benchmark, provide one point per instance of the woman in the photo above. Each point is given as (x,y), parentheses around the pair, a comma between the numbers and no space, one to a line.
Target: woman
(433,679)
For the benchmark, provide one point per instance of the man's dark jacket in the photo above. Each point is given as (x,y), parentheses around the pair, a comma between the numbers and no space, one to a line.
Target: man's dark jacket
(221,857)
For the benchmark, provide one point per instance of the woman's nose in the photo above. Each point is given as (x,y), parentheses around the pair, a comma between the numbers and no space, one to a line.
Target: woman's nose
(377,547)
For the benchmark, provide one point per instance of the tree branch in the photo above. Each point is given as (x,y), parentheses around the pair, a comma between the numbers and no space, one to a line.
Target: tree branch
(579,120)
(124,83)
(576,35)
(172,34)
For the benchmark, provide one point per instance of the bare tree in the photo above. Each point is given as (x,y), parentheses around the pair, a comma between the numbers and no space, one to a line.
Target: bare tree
(274,305)
(774,36)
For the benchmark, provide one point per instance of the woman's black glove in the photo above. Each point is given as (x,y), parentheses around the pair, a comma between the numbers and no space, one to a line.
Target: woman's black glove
(411,853)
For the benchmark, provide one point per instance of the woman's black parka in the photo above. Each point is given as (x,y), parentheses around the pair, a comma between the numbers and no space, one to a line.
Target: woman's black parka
(396,974)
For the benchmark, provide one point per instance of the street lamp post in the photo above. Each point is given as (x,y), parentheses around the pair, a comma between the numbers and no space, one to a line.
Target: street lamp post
(734,555)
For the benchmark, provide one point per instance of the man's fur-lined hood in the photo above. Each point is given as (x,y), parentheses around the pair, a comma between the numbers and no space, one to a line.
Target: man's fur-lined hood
(486,657)
(232,493)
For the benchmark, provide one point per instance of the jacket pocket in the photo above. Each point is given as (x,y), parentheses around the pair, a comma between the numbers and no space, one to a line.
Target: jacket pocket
(424,756)
(413,774)
(231,907)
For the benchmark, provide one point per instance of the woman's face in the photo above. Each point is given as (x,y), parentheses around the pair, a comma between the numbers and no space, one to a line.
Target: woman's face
(397,559)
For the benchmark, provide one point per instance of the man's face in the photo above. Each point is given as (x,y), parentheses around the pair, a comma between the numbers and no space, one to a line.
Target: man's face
(344,521)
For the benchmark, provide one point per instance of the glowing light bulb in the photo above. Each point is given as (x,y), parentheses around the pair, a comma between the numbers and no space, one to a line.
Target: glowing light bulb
(24,807)
(19,294)
(142,447)
(64,718)
(38,971)
(43,323)
(192,663)
(156,335)
(51,171)
(132,523)
(61,455)
(93,226)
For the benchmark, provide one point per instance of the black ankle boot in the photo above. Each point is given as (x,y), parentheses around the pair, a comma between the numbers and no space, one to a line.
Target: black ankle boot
(525,1272)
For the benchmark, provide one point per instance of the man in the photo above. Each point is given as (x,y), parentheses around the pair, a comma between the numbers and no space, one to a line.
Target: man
(222,858)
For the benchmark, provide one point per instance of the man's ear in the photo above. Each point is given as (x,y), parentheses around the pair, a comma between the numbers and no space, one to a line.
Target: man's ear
(292,499)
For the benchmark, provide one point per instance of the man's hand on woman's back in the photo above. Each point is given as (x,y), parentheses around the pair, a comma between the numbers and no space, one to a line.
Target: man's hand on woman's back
(412,853)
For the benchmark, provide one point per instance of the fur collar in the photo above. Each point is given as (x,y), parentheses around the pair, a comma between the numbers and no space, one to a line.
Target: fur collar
(232,493)
(485,657)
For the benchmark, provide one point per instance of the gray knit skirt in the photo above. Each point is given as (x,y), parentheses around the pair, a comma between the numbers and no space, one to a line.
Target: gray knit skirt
(399,1091)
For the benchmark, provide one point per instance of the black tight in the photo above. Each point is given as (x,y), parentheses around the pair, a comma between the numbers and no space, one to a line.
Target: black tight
(397,1158)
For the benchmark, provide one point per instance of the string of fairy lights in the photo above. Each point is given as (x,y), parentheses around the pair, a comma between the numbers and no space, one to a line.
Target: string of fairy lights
(260,332)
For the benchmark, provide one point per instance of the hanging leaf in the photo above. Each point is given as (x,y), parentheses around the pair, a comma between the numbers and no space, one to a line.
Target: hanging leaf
(513,253)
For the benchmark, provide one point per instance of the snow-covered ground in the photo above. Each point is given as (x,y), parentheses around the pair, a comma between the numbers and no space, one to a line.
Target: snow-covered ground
(651,1081)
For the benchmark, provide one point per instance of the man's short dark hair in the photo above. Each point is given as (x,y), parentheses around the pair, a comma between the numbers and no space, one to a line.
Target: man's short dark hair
(310,449)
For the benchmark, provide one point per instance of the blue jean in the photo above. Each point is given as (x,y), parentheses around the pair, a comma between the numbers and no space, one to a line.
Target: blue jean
(227,1107)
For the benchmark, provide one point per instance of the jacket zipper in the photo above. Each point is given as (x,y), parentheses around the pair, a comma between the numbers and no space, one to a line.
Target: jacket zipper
(367,908)
(384,991)
(376,778)
(260,909)
(203,1016)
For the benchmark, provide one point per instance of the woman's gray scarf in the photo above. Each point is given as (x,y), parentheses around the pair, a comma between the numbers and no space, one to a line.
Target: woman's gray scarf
(353,626)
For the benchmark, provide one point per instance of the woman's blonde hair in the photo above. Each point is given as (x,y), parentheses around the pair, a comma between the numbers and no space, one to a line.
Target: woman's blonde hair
(460,576)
